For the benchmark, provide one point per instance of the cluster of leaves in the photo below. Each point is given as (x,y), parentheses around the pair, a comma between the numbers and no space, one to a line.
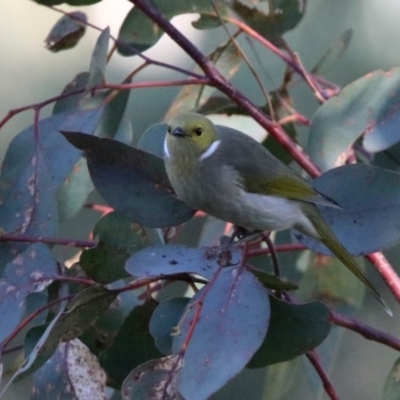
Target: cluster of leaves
(97,323)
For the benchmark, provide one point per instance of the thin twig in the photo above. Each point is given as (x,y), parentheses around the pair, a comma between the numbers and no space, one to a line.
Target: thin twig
(123,86)
(279,249)
(48,240)
(316,363)
(273,253)
(368,332)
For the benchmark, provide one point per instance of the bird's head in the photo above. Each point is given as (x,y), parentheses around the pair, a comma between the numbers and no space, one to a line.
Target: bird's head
(190,135)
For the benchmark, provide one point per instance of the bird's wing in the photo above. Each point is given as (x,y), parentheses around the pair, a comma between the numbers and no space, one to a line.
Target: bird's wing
(269,175)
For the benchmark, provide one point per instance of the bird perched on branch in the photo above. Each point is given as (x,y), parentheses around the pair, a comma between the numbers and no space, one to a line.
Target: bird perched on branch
(232,177)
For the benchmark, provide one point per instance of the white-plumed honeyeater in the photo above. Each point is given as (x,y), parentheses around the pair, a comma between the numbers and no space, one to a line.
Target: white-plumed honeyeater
(230,176)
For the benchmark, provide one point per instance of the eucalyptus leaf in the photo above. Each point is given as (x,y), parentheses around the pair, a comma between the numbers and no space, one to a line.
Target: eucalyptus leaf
(367,107)
(152,139)
(83,100)
(392,385)
(271,19)
(98,62)
(294,329)
(139,33)
(118,240)
(79,315)
(132,181)
(72,194)
(230,319)
(71,373)
(155,379)
(176,259)
(164,322)
(370,201)
(67,32)
(132,346)
(29,272)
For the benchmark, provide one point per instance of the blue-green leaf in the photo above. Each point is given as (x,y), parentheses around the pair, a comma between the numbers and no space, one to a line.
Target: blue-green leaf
(369,219)
(368,106)
(132,181)
(294,329)
(232,324)
(29,272)
(98,62)
(175,259)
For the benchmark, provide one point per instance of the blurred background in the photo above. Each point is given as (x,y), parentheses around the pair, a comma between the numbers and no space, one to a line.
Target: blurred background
(29,74)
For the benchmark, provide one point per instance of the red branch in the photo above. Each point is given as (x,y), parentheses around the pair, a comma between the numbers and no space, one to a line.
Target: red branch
(316,362)
(30,318)
(48,240)
(387,272)
(365,330)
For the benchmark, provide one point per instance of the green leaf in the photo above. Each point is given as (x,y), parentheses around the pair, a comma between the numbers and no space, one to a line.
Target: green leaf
(118,240)
(132,181)
(27,200)
(273,282)
(231,325)
(368,106)
(391,390)
(36,163)
(67,32)
(334,52)
(79,315)
(139,31)
(124,132)
(81,101)
(32,337)
(164,321)
(59,155)
(328,279)
(98,62)
(71,373)
(22,276)
(72,194)
(132,346)
(154,379)
(294,329)
(108,325)
(271,19)
(370,201)
(176,259)
(112,119)
(152,139)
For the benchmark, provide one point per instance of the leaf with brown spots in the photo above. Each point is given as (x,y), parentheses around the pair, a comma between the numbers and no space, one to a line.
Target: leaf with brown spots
(79,315)
(155,379)
(73,372)
(31,271)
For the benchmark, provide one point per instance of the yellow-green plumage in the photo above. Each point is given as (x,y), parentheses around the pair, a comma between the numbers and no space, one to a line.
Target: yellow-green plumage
(229,175)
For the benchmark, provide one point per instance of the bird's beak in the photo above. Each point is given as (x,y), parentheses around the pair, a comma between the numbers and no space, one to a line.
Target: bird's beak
(179,132)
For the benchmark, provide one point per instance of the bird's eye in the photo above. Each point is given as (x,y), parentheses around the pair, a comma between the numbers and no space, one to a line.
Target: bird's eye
(169,129)
(198,131)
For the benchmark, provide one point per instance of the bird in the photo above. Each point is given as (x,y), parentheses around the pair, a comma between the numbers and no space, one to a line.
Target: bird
(229,175)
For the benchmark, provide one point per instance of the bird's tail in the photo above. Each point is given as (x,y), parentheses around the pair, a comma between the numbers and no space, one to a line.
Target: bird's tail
(330,241)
